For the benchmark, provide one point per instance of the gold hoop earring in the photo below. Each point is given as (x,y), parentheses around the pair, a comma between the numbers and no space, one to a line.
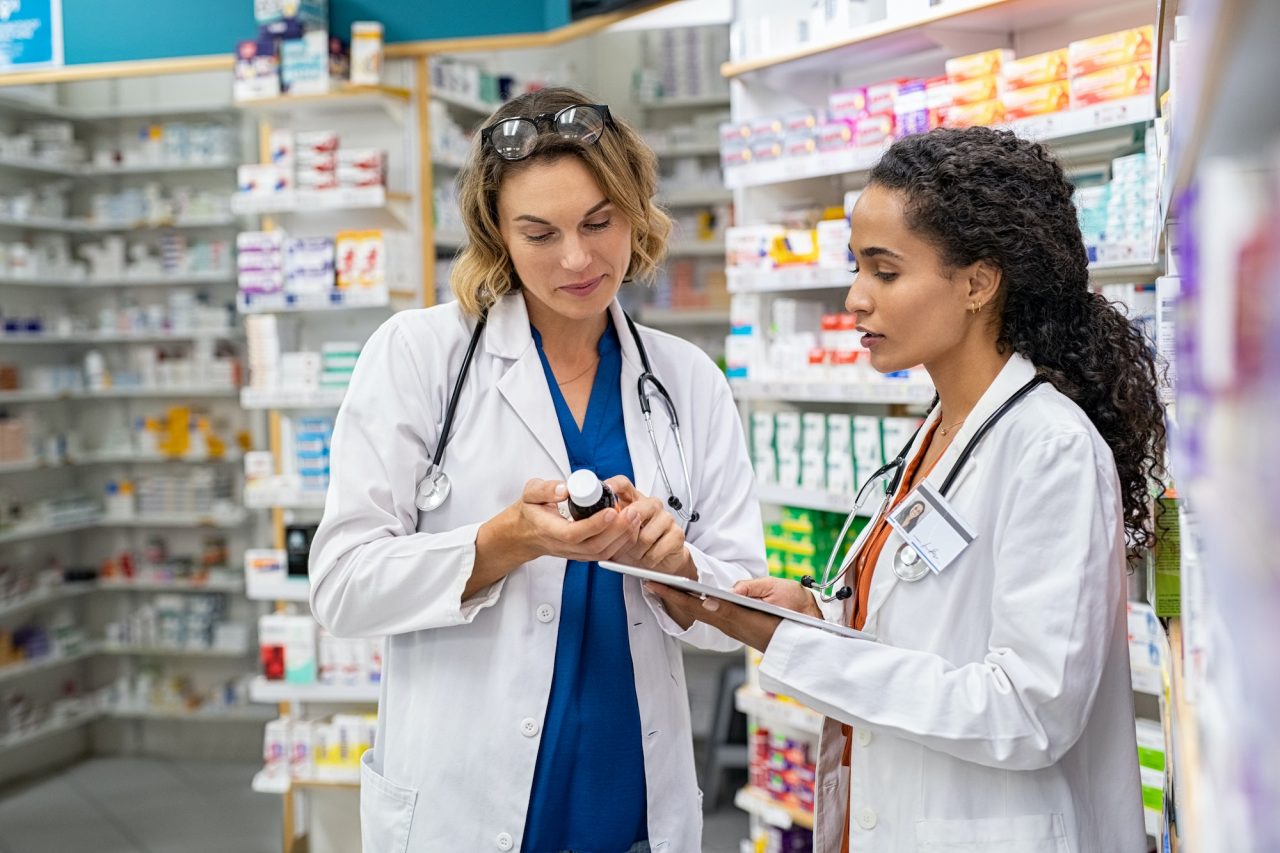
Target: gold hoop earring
(975,307)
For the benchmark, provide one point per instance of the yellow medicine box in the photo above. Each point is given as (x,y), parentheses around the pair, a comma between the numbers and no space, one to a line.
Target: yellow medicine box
(972,115)
(1127,46)
(974,91)
(1111,84)
(1036,100)
(974,65)
(1034,70)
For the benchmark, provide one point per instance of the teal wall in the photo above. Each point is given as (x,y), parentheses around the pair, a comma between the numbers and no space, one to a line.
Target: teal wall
(122,30)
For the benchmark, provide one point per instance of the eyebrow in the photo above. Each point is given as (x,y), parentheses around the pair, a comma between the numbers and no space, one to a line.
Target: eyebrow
(876,251)
(529,217)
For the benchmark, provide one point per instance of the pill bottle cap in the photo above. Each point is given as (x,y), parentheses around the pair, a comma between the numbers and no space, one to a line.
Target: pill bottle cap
(584,487)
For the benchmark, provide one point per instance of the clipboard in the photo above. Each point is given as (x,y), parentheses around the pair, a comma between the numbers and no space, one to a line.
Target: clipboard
(703,590)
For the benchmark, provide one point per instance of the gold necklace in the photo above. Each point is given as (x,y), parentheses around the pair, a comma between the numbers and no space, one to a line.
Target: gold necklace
(579,376)
(943,432)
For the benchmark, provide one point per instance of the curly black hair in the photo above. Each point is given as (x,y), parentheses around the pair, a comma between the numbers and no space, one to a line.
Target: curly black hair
(983,194)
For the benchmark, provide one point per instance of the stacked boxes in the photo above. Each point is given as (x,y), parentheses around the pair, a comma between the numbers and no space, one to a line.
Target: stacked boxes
(308,265)
(311,447)
(975,92)
(317,750)
(1151,766)
(312,160)
(295,649)
(260,261)
(1035,85)
(337,363)
(361,259)
(1111,67)
(834,453)
(1118,220)
(799,545)
(782,767)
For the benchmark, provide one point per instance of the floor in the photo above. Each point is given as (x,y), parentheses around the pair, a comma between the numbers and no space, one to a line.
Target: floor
(147,805)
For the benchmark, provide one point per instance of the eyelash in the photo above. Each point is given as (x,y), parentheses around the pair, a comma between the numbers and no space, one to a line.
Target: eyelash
(886,277)
(595,227)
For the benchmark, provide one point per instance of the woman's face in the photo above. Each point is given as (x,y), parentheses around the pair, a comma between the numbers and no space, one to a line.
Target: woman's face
(569,244)
(915,512)
(910,309)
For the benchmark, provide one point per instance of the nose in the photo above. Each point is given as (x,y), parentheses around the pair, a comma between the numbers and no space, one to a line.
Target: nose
(575,257)
(857,300)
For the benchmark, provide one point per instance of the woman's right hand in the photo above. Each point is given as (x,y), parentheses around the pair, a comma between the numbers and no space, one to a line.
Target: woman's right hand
(781,593)
(543,531)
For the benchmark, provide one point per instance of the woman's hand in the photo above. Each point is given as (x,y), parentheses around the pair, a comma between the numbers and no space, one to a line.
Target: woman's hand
(660,545)
(745,625)
(782,593)
(532,527)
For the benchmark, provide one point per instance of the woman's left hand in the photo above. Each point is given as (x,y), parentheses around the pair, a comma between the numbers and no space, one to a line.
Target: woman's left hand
(660,546)
(745,625)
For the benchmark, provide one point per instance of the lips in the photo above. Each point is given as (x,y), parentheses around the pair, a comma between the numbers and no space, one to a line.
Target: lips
(870,338)
(583,288)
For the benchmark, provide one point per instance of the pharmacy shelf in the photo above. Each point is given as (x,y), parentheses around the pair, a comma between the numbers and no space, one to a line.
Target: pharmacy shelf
(450,240)
(788,279)
(264,784)
(667,318)
(1059,127)
(473,105)
(1125,272)
(31,164)
(870,393)
(231,584)
(173,168)
(772,812)
(131,281)
(334,300)
(686,102)
(49,595)
(320,398)
(167,392)
(268,498)
(188,222)
(809,499)
(37,531)
(171,652)
(92,338)
(174,520)
(131,457)
(275,692)
(22,670)
(42,223)
(20,465)
(339,200)
(664,150)
(295,589)
(221,111)
(47,729)
(697,249)
(696,197)
(762,706)
(391,99)
(865,47)
(231,715)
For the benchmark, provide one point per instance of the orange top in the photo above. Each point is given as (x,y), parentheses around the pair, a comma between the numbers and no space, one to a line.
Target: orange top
(865,568)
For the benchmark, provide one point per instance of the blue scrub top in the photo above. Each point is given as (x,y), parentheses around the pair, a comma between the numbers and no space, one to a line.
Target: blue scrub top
(588,786)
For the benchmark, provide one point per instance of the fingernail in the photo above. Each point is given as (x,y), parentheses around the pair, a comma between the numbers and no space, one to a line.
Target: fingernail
(710,604)
(561,491)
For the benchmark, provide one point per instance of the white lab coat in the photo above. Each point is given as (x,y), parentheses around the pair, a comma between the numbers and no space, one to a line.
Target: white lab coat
(466,683)
(995,711)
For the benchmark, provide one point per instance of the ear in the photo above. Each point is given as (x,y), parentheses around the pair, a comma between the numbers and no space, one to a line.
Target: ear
(984,280)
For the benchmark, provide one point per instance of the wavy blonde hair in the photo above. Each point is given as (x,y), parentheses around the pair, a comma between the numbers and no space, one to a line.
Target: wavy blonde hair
(620,161)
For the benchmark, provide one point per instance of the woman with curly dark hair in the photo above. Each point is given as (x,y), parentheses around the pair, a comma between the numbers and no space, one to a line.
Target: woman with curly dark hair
(993,710)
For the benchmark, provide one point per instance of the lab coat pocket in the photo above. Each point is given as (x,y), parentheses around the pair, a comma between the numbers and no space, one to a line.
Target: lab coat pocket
(1026,834)
(386,810)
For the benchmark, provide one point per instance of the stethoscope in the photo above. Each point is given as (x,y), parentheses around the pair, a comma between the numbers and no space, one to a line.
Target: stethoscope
(907,563)
(435,486)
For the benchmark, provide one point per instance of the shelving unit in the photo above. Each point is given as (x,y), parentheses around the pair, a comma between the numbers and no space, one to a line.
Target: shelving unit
(173,241)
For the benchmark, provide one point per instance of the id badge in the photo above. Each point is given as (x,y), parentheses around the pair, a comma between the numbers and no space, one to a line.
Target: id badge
(932,527)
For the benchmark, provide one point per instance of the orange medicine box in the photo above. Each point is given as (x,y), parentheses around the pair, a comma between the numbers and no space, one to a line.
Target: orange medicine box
(974,91)
(1036,100)
(1089,55)
(974,65)
(1034,70)
(971,115)
(1111,84)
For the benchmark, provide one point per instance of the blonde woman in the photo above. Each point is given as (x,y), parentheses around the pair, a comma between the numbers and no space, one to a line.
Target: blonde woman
(531,700)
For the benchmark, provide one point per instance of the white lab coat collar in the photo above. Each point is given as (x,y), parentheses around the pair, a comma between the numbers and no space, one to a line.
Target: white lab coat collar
(1017,371)
(524,387)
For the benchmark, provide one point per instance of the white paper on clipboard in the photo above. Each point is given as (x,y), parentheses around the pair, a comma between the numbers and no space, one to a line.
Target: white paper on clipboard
(725,595)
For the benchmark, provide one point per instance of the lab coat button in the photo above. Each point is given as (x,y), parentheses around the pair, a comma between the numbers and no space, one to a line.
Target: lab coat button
(504,841)
(545,613)
(528,727)
(866,818)
(864,737)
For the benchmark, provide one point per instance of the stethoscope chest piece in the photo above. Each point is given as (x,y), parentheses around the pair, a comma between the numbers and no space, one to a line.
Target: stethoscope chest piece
(907,564)
(433,490)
